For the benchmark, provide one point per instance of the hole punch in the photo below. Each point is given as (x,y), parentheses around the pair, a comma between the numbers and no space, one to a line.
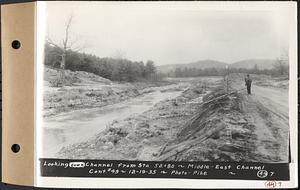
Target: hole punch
(15,148)
(16,44)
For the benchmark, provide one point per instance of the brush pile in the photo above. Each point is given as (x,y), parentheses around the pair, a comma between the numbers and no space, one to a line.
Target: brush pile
(217,132)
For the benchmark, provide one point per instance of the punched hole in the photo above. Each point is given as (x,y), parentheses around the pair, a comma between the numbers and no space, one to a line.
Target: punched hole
(16,44)
(15,148)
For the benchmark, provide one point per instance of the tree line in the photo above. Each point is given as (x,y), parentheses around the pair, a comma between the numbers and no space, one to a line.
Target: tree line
(65,56)
(115,69)
(120,69)
(279,68)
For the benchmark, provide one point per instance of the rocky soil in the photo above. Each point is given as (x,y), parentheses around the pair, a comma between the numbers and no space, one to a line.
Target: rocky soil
(204,123)
(87,90)
(142,137)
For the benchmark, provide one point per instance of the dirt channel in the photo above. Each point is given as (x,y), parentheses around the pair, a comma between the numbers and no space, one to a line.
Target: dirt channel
(207,122)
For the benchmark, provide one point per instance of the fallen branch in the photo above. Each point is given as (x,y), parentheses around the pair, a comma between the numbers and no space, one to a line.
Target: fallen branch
(181,148)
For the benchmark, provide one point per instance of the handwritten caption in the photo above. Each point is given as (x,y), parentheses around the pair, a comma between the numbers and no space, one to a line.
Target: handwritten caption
(273,184)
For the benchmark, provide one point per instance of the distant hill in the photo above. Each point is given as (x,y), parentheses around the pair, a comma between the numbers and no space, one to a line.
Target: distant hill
(250,63)
(203,64)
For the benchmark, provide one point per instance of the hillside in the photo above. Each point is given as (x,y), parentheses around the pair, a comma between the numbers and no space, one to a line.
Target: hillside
(250,63)
(203,64)
(74,77)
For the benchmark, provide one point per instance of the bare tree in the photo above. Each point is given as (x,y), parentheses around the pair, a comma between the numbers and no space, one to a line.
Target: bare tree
(66,45)
(119,54)
(282,64)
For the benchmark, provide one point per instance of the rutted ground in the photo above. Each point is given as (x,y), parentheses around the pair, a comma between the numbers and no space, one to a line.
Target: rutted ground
(267,108)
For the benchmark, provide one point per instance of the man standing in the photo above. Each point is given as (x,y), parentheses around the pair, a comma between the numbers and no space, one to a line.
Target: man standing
(248,82)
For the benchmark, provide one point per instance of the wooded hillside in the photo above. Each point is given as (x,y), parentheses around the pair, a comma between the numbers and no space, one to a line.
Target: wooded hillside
(110,68)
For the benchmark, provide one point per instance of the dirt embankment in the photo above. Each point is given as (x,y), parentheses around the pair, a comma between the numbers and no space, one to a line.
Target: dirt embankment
(141,137)
(87,90)
(235,127)
(225,127)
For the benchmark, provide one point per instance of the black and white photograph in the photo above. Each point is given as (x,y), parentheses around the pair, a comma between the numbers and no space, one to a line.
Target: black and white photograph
(165,82)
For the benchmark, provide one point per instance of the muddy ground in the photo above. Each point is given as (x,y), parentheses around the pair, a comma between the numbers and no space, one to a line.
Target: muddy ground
(141,136)
(202,124)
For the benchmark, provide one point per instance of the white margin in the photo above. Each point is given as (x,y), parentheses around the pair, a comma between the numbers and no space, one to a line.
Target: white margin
(39,78)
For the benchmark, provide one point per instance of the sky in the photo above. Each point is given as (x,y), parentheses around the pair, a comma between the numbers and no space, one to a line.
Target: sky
(171,33)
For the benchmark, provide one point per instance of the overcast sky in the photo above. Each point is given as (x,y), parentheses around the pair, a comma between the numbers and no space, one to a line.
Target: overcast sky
(170,34)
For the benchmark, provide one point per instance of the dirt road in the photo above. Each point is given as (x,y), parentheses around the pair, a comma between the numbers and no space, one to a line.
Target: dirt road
(275,99)
(267,109)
